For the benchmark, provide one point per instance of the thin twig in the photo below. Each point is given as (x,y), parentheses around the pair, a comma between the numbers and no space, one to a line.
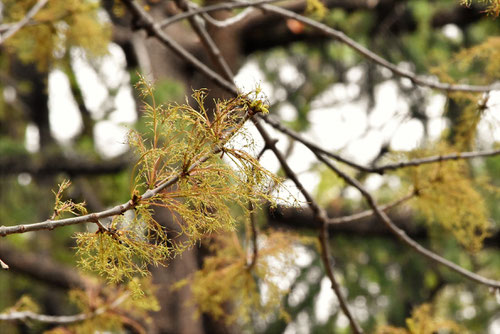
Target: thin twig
(229,21)
(213,8)
(368,213)
(61,319)
(4,265)
(433,159)
(343,38)
(198,26)
(309,144)
(15,27)
(380,169)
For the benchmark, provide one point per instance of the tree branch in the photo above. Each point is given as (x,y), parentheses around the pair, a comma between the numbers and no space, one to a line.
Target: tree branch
(402,234)
(380,169)
(213,8)
(320,217)
(61,319)
(15,28)
(42,268)
(368,54)
(59,164)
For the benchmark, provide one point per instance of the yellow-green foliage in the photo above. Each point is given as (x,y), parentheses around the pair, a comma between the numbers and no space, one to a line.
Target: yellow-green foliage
(61,207)
(58,26)
(316,9)
(424,321)
(446,195)
(487,54)
(187,144)
(25,303)
(493,6)
(228,282)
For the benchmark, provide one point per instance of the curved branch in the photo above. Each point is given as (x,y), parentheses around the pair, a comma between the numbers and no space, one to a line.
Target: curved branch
(214,8)
(343,38)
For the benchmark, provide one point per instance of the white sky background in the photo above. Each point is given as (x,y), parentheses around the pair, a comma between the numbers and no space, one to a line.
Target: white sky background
(345,126)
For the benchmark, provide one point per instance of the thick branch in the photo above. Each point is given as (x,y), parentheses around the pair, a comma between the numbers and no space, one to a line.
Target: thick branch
(41,268)
(23,164)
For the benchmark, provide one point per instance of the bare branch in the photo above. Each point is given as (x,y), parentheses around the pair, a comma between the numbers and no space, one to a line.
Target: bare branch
(230,21)
(341,37)
(213,8)
(15,28)
(61,319)
(436,158)
(198,26)
(313,147)
(368,213)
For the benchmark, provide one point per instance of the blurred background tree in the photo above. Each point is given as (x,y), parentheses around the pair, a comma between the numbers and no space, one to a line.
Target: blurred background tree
(66,77)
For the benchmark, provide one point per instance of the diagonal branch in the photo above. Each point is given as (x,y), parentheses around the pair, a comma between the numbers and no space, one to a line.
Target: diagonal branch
(153,28)
(198,26)
(402,234)
(321,217)
(15,28)
(343,38)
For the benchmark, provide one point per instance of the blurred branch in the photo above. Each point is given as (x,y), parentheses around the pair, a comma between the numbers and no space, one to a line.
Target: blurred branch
(16,26)
(368,213)
(145,21)
(41,268)
(61,319)
(198,26)
(22,164)
(213,8)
